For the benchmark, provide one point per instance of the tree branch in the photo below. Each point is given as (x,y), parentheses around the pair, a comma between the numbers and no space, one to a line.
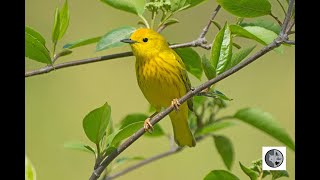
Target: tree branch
(144,162)
(276,43)
(282,7)
(49,68)
(276,18)
(190,94)
(284,29)
(200,42)
(173,149)
(76,63)
(290,42)
(206,28)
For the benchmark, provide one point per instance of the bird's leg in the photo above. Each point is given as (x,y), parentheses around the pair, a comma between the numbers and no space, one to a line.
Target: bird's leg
(147,125)
(175,103)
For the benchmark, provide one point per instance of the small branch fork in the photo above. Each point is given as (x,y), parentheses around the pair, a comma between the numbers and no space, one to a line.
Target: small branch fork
(281,39)
(200,42)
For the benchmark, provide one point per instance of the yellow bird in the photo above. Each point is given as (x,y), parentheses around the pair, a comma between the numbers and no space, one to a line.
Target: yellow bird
(162,78)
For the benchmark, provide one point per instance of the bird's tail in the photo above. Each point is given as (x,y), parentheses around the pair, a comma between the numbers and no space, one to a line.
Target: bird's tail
(182,133)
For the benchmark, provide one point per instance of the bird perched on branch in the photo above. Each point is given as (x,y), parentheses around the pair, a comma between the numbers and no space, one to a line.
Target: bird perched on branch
(162,78)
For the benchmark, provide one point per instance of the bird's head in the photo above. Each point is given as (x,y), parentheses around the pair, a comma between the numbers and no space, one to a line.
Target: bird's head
(146,41)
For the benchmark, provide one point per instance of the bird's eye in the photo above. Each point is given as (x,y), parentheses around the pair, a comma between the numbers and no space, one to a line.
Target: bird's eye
(145,39)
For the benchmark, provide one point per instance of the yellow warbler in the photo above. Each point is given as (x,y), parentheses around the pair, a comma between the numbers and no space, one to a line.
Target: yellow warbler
(162,78)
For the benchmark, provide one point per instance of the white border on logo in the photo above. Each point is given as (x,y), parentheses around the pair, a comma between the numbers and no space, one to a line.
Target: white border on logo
(282,149)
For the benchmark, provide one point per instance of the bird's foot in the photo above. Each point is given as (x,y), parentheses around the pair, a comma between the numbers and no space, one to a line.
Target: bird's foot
(148,126)
(175,103)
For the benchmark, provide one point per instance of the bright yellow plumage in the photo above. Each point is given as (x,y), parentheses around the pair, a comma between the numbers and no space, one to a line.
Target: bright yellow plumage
(162,77)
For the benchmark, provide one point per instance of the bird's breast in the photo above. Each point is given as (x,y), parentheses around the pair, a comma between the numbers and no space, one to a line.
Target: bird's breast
(159,81)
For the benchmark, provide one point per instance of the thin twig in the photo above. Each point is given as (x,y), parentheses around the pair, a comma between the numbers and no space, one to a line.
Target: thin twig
(173,149)
(290,42)
(291,32)
(276,43)
(276,18)
(161,28)
(282,7)
(206,28)
(50,68)
(290,26)
(284,29)
(200,42)
(96,173)
(142,163)
(76,63)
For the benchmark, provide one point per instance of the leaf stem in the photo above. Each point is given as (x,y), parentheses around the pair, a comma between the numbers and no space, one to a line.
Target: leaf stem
(223,118)
(276,18)
(153,17)
(165,19)
(53,50)
(282,7)
(145,21)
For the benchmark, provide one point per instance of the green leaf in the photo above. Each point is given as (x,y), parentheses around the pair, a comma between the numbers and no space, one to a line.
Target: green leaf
(259,34)
(192,61)
(81,42)
(265,122)
(138,117)
(221,50)
(237,57)
(132,6)
(64,52)
(208,69)
(132,118)
(178,5)
(35,49)
(122,160)
(217,94)
(96,122)
(64,19)
(213,127)
(256,165)
(171,21)
(264,34)
(192,121)
(30,172)
(241,32)
(220,175)
(198,101)
(252,174)
(279,174)
(117,136)
(112,38)
(79,146)
(125,159)
(225,149)
(35,35)
(56,26)
(275,27)
(246,8)
(265,173)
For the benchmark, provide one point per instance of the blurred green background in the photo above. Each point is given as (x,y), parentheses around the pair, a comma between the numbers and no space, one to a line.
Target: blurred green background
(57,102)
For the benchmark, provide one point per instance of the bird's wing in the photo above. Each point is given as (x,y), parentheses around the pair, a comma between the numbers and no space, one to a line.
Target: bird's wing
(185,78)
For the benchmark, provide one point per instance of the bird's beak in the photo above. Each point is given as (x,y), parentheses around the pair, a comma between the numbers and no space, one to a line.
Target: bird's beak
(128,41)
